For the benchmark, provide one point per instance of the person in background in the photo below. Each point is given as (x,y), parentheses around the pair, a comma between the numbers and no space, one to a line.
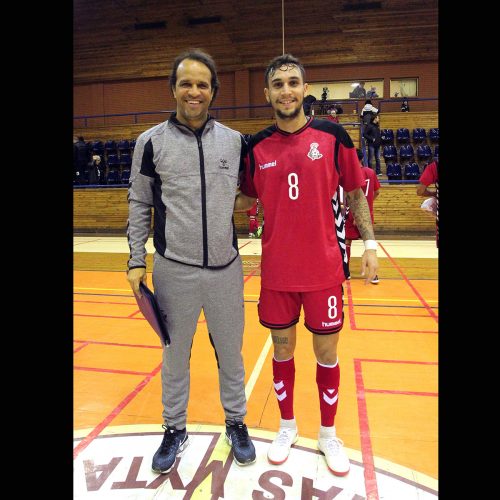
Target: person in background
(430,176)
(187,169)
(95,172)
(371,134)
(372,93)
(81,159)
(367,112)
(332,115)
(254,230)
(359,91)
(308,102)
(296,168)
(371,189)
(405,107)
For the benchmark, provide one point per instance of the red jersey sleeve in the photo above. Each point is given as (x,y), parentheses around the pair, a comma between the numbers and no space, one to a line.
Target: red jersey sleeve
(429,175)
(247,186)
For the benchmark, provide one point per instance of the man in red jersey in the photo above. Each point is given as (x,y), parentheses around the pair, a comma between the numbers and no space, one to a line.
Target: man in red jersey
(295,168)
(371,187)
(430,176)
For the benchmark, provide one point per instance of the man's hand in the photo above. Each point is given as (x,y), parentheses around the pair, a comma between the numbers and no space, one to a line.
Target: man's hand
(135,276)
(369,263)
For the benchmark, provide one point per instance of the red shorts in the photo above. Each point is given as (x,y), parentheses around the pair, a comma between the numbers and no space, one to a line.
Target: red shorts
(351,231)
(323,309)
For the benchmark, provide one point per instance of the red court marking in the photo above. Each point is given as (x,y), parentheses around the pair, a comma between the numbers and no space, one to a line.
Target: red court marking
(352,321)
(251,274)
(394,314)
(107,420)
(392,330)
(415,291)
(107,370)
(364,432)
(244,245)
(85,242)
(84,344)
(119,344)
(407,393)
(399,361)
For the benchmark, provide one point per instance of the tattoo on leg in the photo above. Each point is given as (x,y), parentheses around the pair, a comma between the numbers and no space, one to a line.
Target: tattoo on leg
(279,340)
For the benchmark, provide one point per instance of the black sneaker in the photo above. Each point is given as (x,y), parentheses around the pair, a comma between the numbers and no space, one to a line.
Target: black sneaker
(238,438)
(173,445)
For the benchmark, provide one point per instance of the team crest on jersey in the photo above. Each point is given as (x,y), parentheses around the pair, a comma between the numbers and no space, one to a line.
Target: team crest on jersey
(314,153)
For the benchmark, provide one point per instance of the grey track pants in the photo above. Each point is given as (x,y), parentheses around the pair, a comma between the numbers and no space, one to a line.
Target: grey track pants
(182,291)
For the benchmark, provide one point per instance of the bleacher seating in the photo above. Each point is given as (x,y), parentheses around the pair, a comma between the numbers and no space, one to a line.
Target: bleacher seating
(424,152)
(113,177)
(419,135)
(434,135)
(97,148)
(389,152)
(402,135)
(406,152)
(125,176)
(125,160)
(411,171)
(436,152)
(110,147)
(394,171)
(123,146)
(387,136)
(113,161)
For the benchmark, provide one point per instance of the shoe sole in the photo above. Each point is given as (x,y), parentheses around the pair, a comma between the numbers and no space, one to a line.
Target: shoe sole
(235,459)
(179,453)
(286,458)
(335,472)
(374,282)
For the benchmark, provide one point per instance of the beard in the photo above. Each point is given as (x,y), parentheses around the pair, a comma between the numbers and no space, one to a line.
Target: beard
(290,116)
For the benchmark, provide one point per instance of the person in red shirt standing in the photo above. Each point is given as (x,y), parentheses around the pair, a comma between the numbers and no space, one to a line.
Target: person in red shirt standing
(253,221)
(430,176)
(296,168)
(371,187)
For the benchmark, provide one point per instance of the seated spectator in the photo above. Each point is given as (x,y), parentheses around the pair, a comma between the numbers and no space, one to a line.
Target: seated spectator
(332,115)
(338,108)
(359,92)
(372,93)
(405,107)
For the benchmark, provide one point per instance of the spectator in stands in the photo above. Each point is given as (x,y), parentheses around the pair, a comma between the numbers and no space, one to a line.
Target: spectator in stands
(405,107)
(338,108)
(430,176)
(372,93)
(299,192)
(371,134)
(95,172)
(332,115)
(367,112)
(308,102)
(359,91)
(187,168)
(371,189)
(81,159)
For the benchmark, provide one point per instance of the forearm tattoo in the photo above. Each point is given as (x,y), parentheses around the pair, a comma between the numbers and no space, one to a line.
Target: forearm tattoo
(279,340)
(361,212)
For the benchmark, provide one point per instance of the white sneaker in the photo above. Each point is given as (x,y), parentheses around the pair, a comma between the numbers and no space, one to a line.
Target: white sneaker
(335,456)
(280,448)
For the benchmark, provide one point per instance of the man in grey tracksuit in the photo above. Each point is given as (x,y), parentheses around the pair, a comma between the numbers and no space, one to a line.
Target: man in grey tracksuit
(186,169)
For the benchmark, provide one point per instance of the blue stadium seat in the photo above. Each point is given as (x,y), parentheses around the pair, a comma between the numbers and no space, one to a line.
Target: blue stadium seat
(110,147)
(387,136)
(389,153)
(419,135)
(125,160)
(394,172)
(406,152)
(97,148)
(123,146)
(403,135)
(113,177)
(424,152)
(411,171)
(434,135)
(113,161)
(132,145)
(125,176)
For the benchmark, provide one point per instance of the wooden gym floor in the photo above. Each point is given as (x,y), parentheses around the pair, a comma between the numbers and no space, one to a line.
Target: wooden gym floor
(388,405)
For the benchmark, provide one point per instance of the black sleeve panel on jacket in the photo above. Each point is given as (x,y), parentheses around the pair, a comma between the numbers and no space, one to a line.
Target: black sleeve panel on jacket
(147,165)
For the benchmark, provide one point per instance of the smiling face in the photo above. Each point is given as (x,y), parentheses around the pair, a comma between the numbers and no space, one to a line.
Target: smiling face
(285,92)
(193,93)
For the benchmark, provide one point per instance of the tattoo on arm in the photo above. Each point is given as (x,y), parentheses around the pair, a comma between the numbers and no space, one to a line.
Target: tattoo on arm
(279,340)
(361,211)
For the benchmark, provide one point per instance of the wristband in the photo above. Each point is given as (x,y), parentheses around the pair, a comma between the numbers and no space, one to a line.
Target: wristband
(370,244)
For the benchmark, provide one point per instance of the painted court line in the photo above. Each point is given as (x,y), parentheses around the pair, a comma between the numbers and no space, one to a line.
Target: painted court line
(258,367)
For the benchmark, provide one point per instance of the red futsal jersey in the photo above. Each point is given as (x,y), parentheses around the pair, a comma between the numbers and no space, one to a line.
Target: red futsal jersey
(296,177)
(430,176)
(370,185)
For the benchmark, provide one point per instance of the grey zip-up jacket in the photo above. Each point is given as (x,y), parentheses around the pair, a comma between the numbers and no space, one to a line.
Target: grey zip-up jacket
(190,179)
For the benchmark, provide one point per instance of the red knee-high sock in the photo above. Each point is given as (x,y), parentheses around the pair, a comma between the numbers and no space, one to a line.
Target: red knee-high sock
(328,378)
(284,379)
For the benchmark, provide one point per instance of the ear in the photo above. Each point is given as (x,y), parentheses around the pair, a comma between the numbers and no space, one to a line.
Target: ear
(173,92)
(306,86)
(266,93)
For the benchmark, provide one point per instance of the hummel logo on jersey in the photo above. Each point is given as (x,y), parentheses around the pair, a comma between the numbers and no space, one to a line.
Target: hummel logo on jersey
(223,163)
(268,165)
(314,153)
(331,323)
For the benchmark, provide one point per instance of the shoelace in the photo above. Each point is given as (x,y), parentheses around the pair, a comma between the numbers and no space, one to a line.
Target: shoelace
(333,444)
(169,437)
(284,436)
(241,434)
